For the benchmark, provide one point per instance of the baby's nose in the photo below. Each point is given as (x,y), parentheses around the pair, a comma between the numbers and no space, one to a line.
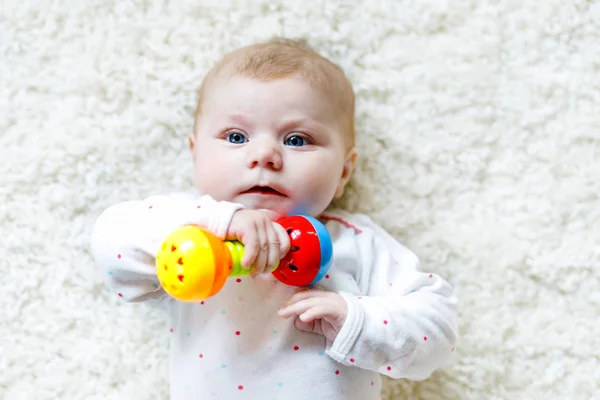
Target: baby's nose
(265,155)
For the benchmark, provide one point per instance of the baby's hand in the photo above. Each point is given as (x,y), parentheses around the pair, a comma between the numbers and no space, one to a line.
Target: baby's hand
(265,242)
(316,311)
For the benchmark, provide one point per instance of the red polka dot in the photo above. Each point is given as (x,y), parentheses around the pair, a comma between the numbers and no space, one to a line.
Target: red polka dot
(171,330)
(389,368)
(198,206)
(390,283)
(238,333)
(120,294)
(327,276)
(202,302)
(238,280)
(150,207)
(337,372)
(425,338)
(372,383)
(431,275)
(453,349)
(359,297)
(296,348)
(240,387)
(119,256)
(385,322)
(352,360)
(201,356)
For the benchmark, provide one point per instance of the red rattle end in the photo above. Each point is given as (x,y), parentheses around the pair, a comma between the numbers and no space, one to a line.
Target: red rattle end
(310,253)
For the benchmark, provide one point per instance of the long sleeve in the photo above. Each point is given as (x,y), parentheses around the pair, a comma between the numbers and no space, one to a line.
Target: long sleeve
(405,324)
(127,236)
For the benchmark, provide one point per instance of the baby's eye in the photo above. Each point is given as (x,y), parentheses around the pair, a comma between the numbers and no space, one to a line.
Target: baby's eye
(296,140)
(237,138)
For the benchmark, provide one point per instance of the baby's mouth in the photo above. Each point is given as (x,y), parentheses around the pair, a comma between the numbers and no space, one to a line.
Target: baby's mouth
(266,190)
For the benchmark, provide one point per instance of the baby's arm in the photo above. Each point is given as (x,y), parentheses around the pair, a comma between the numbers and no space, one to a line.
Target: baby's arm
(406,324)
(127,236)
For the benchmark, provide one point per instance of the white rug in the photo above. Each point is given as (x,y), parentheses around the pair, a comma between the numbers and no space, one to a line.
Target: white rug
(479,128)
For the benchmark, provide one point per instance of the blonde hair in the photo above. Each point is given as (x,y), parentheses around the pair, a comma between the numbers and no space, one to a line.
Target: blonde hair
(281,58)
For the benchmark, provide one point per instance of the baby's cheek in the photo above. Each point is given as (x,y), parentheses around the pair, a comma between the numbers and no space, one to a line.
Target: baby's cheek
(209,183)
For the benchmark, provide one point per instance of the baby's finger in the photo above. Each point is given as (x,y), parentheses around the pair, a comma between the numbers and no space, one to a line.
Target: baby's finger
(303,294)
(263,249)
(284,240)
(321,310)
(299,308)
(251,248)
(274,245)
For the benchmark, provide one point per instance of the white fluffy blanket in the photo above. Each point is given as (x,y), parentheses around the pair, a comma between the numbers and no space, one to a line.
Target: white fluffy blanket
(479,132)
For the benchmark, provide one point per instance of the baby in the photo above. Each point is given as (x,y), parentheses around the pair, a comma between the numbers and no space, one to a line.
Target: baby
(274,136)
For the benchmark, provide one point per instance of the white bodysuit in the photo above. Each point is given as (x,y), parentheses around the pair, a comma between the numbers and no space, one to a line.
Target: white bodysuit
(401,322)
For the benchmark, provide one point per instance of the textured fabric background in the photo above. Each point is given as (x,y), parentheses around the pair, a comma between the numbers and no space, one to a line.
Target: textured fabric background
(479,131)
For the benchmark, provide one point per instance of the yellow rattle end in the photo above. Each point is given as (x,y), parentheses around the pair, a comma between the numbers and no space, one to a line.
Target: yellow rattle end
(192,264)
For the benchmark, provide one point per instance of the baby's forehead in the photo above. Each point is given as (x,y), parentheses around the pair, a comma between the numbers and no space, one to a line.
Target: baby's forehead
(293,97)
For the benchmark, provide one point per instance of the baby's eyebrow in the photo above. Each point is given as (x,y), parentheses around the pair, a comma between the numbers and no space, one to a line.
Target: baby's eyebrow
(300,121)
(240,119)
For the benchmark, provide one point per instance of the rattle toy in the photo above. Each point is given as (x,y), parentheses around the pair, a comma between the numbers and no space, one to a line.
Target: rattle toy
(193,264)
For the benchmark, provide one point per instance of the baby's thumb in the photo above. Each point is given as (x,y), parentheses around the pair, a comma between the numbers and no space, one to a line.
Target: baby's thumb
(305,326)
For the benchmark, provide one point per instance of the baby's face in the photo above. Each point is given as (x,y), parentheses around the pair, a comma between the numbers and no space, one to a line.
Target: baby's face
(274,146)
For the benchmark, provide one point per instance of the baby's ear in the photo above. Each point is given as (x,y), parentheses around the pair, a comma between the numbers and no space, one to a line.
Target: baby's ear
(349,164)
